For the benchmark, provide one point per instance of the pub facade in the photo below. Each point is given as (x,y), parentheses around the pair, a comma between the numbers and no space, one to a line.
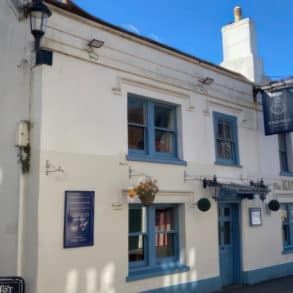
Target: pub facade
(106,110)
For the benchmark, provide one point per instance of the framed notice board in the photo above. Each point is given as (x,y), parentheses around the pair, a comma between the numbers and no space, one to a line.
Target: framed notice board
(255,217)
(79,219)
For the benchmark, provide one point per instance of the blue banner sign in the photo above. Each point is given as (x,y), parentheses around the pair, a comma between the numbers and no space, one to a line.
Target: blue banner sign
(11,285)
(79,219)
(278,110)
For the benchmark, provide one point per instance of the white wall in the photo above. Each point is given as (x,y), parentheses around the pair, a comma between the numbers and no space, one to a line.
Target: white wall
(14,88)
(240,49)
(84,130)
(79,117)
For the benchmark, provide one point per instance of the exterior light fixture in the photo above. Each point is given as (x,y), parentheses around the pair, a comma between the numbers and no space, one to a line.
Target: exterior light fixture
(39,14)
(205,81)
(214,184)
(94,43)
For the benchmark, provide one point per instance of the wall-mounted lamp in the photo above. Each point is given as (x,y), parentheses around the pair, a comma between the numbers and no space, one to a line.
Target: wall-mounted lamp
(205,81)
(39,14)
(214,184)
(94,43)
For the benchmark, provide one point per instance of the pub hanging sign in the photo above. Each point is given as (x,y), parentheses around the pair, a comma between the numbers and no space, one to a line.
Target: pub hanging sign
(79,219)
(278,110)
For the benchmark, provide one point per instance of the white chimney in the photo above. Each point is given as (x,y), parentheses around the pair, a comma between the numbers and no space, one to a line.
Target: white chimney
(240,48)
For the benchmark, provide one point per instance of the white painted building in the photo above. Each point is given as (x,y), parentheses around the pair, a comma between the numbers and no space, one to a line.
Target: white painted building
(103,118)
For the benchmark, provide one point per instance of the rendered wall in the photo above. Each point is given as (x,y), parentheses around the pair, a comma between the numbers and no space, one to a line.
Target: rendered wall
(84,130)
(14,87)
(79,116)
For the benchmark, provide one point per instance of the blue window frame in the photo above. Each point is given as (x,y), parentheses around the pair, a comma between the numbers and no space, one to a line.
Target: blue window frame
(283,153)
(153,239)
(152,130)
(226,139)
(287,225)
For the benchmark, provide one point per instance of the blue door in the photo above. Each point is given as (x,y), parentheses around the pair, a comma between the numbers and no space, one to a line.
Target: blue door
(229,244)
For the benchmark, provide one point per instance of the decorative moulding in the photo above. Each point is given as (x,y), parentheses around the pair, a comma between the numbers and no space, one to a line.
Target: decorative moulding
(155,88)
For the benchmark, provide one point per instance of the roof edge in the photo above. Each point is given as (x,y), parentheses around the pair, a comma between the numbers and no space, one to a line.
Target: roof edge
(73,8)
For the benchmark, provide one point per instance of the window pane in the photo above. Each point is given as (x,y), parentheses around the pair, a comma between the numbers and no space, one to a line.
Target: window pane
(137,220)
(165,245)
(136,137)
(291,212)
(136,112)
(224,150)
(285,226)
(164,142)
(282,142)
(227,150)
(164,117)
(227,231)
(284,161)
(165,219)
(220,129)
(228,130)
(226,212)
(136,249)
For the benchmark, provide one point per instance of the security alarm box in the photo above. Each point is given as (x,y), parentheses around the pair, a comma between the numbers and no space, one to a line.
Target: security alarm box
(22,138)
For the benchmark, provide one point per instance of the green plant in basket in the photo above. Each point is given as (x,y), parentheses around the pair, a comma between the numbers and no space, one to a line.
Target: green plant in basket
(147,190)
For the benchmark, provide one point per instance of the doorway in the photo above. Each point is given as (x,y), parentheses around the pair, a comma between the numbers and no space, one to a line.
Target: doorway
(229,243)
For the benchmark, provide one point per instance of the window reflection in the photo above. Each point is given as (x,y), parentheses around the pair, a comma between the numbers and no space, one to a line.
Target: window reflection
(285,226)
(165,226)
(164,117)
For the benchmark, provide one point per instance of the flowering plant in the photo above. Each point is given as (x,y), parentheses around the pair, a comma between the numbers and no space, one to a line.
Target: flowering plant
(146,190)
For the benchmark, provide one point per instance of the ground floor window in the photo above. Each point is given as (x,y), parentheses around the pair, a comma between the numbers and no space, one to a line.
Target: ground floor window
(153,236)
(287,225)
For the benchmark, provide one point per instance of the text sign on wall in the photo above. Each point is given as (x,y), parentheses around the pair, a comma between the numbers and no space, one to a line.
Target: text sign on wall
(255,217)
(283,186)
(278,111)
(11,285)
(79,219)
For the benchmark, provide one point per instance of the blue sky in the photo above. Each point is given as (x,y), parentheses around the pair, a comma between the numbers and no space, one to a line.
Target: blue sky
(194,26)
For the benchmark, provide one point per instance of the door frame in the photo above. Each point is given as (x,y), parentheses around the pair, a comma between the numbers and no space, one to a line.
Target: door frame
(237,239)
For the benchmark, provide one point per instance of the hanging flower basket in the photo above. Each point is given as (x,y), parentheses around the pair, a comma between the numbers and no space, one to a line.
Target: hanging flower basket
(147,190)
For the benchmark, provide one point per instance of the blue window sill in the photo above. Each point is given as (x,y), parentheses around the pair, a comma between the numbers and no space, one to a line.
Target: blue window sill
(288,174)
(142,158)
(156,272)
(287,250)
(227,164)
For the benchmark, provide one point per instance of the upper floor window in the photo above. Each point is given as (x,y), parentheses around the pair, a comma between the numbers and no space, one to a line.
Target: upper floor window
(226,139)
(284,152)
(152,130)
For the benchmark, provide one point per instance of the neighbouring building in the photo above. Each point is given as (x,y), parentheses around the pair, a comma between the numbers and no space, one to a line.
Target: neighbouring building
(112,109)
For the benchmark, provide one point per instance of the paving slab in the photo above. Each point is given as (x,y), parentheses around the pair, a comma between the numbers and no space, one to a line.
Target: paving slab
(283,285)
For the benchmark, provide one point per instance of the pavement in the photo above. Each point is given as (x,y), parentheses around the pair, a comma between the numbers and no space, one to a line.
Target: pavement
(283,285)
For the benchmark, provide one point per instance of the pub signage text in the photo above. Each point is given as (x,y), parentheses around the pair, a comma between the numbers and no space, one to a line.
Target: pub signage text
(283,186)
